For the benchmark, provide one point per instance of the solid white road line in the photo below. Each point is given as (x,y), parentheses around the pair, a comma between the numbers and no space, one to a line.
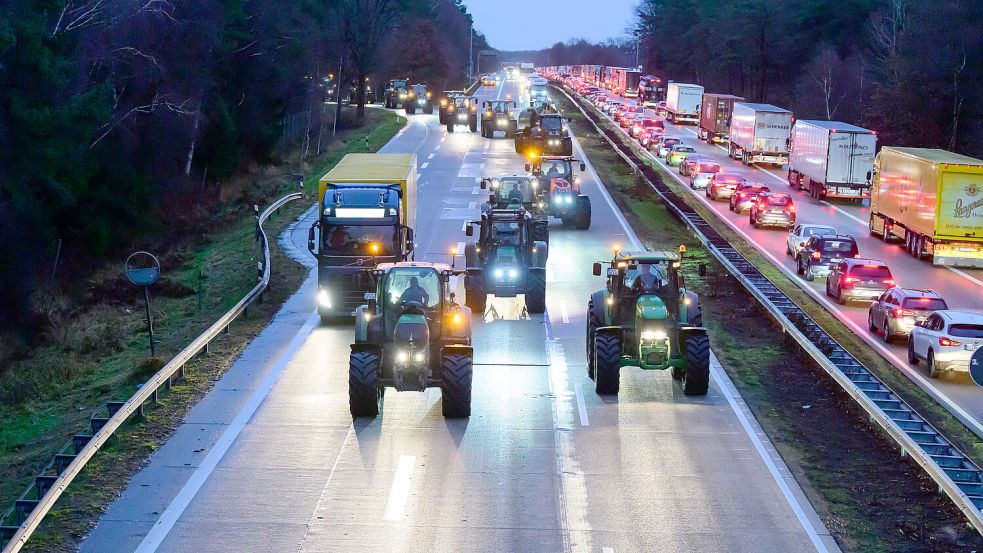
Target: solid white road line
(975,281)
(635,242)
(324,490)
(169,517)
(717,371)
(400,490)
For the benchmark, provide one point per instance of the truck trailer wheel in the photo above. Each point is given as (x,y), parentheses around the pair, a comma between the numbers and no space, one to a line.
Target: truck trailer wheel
(536,291)
(455,385)
(607,370)
(363,383)
(696,377)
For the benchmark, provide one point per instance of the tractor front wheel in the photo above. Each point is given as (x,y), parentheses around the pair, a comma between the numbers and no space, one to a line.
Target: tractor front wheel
(593,323)
(536,291)
(607,369)
(475,294)
(363,383)
(450,127)
(696,376)
(474,125)
(581,219)
(455,385)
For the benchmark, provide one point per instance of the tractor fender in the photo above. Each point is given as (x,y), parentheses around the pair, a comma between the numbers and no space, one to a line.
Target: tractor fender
(372,348)
(693,310)
(539,254)
(456,349)
(687,331)
(471,259)
(609,331)
(598,305)
(361,324)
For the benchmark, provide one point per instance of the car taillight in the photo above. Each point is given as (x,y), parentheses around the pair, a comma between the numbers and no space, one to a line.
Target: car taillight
(889,281)
(850,280)
(743,195)
(949,343)
(791,208)
(816,255)
(762,205)
(902,313)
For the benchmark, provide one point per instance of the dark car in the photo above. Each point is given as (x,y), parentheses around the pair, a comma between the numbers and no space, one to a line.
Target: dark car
(859,280)
(822,252)
(745,194)
(722,186)
(772,209)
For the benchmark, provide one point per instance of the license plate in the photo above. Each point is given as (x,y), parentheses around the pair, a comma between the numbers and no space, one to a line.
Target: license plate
(836,259)
(971,347)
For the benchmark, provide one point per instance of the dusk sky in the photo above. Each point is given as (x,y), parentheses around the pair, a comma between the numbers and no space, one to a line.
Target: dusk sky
(530,25)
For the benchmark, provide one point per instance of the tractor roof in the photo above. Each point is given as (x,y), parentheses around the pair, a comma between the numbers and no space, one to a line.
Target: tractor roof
(648,256)
(419,264)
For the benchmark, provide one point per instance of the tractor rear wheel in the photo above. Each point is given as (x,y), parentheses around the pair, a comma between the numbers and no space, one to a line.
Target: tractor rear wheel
(536,291)
(607,369)
(696,376)
(593,323)
(450,127)
(411,110)
(475,294)
(455,385)
(428,110)
(474,125)
(363,383)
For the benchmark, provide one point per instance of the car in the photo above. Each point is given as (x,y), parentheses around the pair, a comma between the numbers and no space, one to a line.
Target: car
(703,173)
(689,163)
(822,252)
(895,313)
(646,123)
(660,108)
(678,153)
(667,142)
(627,117)
(800,233)
(859,279)
(651,137)
(613,106)
(620,110)
(745,194)
(946,340)
(488,80)
(722,186)
(772,209)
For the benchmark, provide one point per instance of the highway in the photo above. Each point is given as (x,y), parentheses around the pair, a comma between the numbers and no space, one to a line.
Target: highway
(270,460)
(961,288)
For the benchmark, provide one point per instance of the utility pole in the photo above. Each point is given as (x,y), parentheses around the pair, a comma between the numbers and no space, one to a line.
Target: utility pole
(470,50)
(638,46)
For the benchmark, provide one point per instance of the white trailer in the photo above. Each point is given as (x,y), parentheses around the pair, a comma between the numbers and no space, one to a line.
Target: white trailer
(759,133)
(683,102)
(831,159)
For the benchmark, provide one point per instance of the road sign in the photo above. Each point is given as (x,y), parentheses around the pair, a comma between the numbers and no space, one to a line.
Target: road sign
(143,269)
(976,367)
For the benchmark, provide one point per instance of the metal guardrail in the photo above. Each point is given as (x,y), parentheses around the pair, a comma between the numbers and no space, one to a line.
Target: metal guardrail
(956,475)
(67,466)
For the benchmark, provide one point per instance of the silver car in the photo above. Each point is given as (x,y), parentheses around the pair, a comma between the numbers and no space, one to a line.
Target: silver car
(799,235)
(895,313)
(946,340)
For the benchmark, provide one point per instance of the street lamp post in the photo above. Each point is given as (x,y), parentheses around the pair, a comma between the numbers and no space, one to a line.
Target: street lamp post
(471,51)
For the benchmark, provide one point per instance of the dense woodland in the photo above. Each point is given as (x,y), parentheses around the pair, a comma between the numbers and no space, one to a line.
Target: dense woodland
(911,70)
(118,118)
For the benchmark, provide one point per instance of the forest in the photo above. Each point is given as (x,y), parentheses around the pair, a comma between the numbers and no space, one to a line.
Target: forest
(120,119)
(908,69)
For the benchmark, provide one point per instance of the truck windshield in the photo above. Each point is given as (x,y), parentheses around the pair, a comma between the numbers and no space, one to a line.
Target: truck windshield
(358,240)
(399,85)
(552,123)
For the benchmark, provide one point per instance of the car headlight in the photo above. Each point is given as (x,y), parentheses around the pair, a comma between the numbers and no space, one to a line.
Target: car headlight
(499,273)
(323,299)
(654,335)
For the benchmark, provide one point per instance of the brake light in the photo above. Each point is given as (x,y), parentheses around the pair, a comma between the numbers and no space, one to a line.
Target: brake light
(816,255)
(869,266)
(762,205)
(850,280)
(791,208)
(743,195)
(949,343)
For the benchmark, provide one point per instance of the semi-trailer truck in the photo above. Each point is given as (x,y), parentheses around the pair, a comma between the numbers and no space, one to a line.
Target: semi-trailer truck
(933,201)
(624,81)
(651,90)
(367,213)
(683,102)
(715,112)
(831,159)
(759,133)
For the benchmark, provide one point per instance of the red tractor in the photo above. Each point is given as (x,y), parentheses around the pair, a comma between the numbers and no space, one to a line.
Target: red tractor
(560,194)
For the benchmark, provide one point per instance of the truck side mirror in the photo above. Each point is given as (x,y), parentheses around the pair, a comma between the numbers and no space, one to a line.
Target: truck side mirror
(469,230)
(484,184)
(529,168)
(583,166)
(870,175)
(410,235)
(597,269)
(311,238)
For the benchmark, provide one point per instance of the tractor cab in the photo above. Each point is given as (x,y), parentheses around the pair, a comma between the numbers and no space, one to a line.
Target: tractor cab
(510,190)
(559,189)
(498,115)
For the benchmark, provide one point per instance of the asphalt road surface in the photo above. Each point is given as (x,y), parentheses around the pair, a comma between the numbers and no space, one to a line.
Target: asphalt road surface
(961,288)
(271,461)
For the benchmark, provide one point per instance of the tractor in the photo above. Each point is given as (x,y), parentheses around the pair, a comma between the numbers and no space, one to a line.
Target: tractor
(518,190)
(418,98)
(646,317)
(446,99)
(396,94)
(498,117)
(460,110)
(559,189)
(506,260)
(411,335)
(543,134)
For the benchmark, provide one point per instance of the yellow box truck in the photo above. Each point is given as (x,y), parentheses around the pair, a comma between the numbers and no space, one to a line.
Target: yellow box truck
(366,215)
(933,201)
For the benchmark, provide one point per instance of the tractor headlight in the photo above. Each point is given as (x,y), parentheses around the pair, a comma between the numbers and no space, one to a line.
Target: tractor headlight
(419,357)
(402,356)
(653,335)
(499,273)
(323,299)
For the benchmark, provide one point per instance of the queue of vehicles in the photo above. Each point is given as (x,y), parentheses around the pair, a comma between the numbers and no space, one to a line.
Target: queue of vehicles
(929,199)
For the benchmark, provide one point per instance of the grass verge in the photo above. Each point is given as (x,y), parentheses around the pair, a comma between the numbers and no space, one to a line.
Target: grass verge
(105,349)
(868,497)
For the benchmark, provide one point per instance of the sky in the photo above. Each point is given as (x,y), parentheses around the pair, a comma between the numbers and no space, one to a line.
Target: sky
(535,24)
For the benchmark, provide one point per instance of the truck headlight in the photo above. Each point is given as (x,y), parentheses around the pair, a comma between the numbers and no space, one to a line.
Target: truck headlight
(653,335)
(499,273)
(323,299)
(513,273)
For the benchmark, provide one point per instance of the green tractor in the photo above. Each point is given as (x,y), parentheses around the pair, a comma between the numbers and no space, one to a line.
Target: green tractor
(506,260)
(498,115)
(411,335)
(512,191)
(460,110)
(646,317)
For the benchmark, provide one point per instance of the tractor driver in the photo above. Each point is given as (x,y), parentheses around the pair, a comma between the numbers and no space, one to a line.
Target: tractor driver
(515,195)
(649,278)
(552,172)
(416,293)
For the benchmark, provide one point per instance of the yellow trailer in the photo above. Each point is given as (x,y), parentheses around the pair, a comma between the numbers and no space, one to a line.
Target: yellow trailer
(933,200)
